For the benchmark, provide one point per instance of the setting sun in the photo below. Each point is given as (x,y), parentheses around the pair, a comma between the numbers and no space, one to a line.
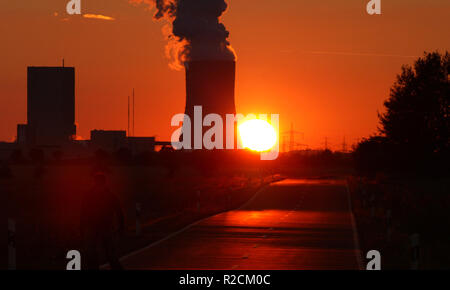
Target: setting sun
(257,135)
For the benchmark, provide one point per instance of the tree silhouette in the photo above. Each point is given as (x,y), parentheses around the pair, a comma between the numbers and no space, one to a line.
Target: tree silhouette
(417,111)
(414,131)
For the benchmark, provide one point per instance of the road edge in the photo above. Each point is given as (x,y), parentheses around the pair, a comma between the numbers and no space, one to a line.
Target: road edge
(358,253)
(136,252)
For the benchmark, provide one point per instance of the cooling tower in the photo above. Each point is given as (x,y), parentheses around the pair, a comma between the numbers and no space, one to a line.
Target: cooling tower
(210,84)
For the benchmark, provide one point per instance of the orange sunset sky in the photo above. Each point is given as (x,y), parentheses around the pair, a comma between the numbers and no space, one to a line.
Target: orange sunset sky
(326,65)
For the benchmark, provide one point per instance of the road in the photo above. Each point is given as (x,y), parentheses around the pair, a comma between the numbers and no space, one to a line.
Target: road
(293,224)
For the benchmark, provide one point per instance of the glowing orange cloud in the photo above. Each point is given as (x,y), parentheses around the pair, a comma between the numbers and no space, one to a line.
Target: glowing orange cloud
(98,16)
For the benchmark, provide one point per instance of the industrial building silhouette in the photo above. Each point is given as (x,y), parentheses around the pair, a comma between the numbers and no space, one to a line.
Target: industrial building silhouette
(50,107)
(51,102)
(51,119)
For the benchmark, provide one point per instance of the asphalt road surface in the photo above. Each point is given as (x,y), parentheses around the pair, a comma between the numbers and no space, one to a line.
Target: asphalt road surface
(291,225)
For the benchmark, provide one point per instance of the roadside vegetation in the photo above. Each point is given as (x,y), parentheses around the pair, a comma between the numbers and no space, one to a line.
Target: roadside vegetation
(401,190)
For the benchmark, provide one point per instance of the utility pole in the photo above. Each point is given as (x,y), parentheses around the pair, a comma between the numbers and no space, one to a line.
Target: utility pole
(344,146)
(292,144)
(291,138)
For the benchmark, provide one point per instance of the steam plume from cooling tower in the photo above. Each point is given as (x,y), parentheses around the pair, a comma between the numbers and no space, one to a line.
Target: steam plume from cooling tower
(198,42)
(196,33)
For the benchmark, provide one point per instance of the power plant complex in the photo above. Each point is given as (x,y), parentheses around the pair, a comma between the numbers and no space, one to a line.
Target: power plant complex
(51,109)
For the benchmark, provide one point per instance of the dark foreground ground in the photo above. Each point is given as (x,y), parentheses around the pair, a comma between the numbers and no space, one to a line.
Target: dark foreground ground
(46,209)
(302,223)
(390,212)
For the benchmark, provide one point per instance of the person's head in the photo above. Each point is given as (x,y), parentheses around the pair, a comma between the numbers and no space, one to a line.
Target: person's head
(99,179)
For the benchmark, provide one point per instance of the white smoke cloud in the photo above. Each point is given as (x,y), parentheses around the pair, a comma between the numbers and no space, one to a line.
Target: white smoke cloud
(196,31)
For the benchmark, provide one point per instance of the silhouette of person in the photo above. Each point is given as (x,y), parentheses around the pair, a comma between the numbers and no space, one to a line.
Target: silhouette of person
(101,216)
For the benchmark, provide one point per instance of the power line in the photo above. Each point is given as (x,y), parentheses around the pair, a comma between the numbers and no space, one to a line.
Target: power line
(292,143)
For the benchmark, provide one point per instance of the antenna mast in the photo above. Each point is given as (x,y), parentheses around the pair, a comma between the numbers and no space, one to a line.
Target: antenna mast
(133,113)
(128,132)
